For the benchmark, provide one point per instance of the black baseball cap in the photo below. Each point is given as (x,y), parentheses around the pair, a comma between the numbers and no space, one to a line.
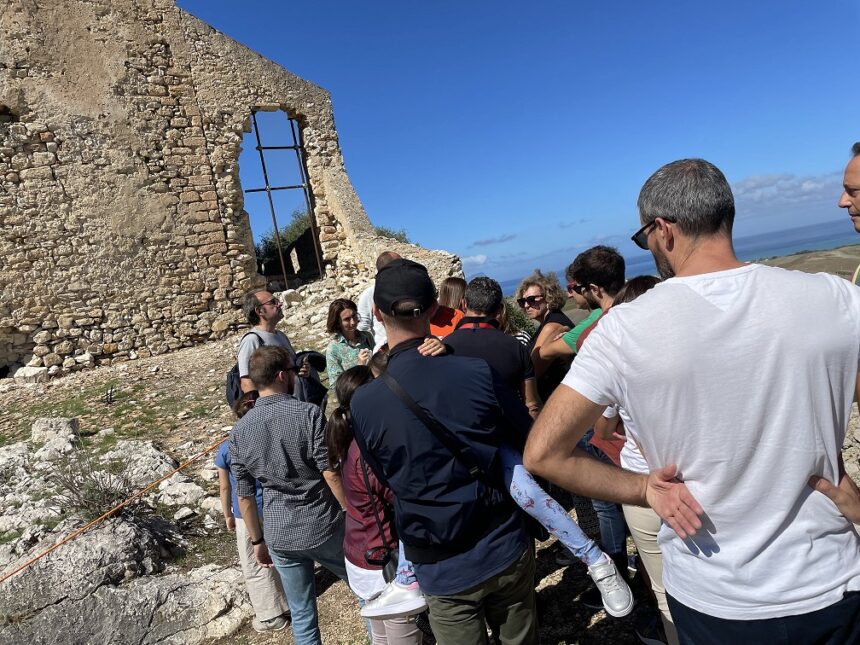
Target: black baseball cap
(402,280)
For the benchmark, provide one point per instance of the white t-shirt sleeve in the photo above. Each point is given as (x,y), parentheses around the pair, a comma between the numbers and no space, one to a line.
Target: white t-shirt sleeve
(594,373)
(365,309)
(610,412)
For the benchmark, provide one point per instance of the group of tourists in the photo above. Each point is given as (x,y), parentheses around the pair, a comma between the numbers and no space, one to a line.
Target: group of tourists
(702,413)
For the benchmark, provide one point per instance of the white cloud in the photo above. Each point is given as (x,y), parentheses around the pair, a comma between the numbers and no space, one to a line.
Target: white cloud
(787,188)
(474,260)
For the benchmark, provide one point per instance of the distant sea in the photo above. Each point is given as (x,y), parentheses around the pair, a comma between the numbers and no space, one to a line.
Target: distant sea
(814,237)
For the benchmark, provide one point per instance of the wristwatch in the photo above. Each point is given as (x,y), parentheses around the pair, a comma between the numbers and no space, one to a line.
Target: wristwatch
(257,542)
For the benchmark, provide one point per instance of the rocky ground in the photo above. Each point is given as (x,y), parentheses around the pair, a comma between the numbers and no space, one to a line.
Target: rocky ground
(171,575)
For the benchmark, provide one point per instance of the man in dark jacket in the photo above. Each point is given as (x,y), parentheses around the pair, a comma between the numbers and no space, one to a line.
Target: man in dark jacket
(472,554)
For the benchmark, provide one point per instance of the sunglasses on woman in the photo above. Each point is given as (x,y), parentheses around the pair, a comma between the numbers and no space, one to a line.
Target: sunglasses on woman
(531,301)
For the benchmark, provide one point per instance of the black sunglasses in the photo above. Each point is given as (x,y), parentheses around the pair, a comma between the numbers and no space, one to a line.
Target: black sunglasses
(530,300)
(640,237)
(576,288)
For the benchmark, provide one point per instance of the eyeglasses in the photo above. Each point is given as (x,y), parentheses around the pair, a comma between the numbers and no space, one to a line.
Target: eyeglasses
(640,237)
(273,301)
(573,287)
(531,301)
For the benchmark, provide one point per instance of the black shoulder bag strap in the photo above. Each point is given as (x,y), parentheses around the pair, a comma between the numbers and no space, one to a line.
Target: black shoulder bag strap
(253,333)
(461,452)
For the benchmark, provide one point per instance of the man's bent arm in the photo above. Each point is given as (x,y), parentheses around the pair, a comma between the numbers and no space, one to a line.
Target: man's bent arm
(551,452)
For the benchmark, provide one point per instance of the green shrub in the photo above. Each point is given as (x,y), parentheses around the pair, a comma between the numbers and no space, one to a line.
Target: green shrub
(267,247)
(400,236)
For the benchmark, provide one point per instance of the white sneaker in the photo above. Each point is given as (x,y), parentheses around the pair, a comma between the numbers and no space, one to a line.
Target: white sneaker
(395,600)
(617,597)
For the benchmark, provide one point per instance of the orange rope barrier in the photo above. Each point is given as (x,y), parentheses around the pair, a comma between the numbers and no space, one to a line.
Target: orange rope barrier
(89,525)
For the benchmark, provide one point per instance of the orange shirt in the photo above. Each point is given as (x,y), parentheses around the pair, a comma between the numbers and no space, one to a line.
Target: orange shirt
(445,321)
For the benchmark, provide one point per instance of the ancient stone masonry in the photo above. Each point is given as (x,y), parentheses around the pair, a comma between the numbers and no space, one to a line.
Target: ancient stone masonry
(122,229)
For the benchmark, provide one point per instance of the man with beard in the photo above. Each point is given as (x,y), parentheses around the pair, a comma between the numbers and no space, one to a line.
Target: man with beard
(737,406)
(850,198)
(593,279)
(264,311)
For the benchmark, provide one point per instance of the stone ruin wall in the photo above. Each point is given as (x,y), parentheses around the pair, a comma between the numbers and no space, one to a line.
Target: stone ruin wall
(122,229)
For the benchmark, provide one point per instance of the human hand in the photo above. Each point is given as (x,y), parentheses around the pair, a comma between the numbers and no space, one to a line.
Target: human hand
(619,435)
(230,521)
(304,369)
(363,356)
(846,496)
(261,552)
(673,502)
(432,346)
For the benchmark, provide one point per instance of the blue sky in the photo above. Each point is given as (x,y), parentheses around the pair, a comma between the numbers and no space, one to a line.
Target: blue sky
(516,134)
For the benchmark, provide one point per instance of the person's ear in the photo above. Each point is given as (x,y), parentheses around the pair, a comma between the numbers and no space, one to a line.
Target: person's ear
(666,232)
(376,313)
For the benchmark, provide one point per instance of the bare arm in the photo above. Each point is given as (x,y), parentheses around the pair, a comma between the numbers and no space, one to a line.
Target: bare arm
(248,509)
(530,395)
(246,384)
(332,478)
(551,452)
(226,493)
(555,348)
(540,363)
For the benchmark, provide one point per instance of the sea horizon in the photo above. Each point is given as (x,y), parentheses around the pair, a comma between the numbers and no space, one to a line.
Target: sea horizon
(763,246)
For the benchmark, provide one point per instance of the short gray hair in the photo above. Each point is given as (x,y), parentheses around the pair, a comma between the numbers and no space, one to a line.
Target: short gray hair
(693,193)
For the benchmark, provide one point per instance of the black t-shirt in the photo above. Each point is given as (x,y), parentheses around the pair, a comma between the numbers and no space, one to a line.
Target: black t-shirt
(557,370)
(505,354)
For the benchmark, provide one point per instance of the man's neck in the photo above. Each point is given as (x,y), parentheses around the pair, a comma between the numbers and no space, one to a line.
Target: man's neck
(475,314)
(267,326)
(271,391)
(397,336)
(707,255)
(606,301)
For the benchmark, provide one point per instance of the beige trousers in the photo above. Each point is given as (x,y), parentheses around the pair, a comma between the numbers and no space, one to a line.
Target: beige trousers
(263,585)
(644,524)
(396,631)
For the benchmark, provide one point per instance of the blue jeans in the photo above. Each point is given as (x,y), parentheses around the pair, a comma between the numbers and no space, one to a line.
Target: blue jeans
(838,624)
(296,569)
(612,527)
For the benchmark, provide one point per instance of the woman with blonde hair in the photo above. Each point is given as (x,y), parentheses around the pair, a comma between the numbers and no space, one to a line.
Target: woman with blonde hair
(541,297)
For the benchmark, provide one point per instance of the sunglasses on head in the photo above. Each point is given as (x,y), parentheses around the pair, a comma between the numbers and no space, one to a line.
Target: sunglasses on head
(531,301)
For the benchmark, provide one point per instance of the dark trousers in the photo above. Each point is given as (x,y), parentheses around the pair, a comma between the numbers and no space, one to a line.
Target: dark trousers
(838,624)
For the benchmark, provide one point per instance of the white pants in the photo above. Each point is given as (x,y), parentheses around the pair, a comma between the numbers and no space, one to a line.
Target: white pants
(644,524)
(263,585)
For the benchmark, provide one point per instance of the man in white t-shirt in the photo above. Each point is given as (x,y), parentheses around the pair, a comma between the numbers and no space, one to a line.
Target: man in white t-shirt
(367,320)
(740,379)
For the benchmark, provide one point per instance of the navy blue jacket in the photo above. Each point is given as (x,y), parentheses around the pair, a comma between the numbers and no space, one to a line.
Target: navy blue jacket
(437,501)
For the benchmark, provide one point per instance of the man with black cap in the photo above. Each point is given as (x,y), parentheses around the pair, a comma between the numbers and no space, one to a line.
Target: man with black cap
(431,428)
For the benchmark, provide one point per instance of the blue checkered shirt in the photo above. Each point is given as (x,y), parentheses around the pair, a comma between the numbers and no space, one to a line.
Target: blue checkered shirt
(280,442)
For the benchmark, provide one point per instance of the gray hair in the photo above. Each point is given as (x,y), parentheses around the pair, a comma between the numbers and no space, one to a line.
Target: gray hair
(693,193)
(484,296)
(250,302)
(855,150)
